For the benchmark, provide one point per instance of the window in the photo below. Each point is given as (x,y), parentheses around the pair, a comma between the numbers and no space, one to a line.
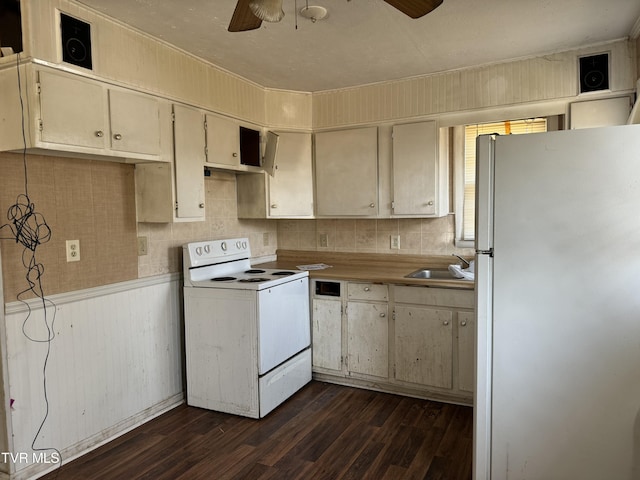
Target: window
(510,127)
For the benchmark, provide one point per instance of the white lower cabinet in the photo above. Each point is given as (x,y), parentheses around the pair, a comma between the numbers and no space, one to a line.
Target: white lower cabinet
(410,340)
(466,351)
(368,338)
(326,332)
(424,345)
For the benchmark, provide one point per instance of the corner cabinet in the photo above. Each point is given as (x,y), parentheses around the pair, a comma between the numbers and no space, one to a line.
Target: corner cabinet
(434,339)
(175,192)
(288,193)
(419,171)
(346,172)
(70,114)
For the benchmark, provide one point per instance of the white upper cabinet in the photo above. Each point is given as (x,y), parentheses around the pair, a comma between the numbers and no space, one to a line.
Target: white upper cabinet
(135,123)
(419,172)
(72,111)
(80,115)
(189,157)
(223,141)
(288,193)
(346,172)
(174,192)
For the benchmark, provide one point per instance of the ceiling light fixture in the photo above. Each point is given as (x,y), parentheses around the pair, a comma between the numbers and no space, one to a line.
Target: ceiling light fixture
(267,10)
(313,13)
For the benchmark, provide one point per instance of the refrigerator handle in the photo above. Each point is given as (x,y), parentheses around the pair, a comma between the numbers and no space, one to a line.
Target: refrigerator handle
(484,192)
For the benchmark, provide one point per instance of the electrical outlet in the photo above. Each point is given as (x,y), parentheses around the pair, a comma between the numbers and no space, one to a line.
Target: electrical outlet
(73,250)
(324,240)
(395,242)
(143,246)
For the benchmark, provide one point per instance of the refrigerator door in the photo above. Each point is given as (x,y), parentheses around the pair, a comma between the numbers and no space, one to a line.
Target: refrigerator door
(484,297)
(566,306)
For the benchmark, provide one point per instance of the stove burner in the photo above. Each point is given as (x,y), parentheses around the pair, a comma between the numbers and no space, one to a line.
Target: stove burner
(283,273)
(253,280)
(222,279)
(254,270)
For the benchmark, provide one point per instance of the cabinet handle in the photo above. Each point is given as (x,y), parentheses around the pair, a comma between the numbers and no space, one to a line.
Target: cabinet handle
(367,289)
(99,133)
(274,206)
(201,205)
(430,202)
(446,322)
(117,136)
(234,154)
(372,205)
(463,323)
(383,315)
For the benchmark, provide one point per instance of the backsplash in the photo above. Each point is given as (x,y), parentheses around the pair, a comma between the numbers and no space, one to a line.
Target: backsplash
(165,240)
(418,236)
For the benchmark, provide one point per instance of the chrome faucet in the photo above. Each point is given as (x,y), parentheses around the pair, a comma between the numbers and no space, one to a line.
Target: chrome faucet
(461,259)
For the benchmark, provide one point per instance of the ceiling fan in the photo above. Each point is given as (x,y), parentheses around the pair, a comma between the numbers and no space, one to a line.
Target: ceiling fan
(249,14)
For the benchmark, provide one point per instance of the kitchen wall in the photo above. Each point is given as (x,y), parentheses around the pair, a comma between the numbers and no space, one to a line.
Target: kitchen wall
(82,200)
(94,202)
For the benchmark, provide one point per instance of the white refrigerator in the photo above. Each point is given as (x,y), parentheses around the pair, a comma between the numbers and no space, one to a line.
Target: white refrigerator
(558,305)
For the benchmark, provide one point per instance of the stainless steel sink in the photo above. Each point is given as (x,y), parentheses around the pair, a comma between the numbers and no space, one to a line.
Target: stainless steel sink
(430,273)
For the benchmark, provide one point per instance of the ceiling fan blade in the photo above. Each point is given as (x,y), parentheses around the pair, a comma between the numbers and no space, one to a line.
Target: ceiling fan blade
(415,8)
(243,18)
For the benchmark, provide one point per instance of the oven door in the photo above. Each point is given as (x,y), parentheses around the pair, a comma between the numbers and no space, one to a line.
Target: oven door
(284,327)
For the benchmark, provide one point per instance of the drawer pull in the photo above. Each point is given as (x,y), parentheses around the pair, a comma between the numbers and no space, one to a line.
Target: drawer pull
(463,323)
(383,315)
(446,322)
(367,289)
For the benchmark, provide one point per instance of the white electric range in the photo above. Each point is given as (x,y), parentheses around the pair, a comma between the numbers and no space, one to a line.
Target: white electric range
(247,329)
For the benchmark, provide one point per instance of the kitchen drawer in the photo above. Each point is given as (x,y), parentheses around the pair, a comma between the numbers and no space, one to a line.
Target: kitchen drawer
(441,297)
(368,291)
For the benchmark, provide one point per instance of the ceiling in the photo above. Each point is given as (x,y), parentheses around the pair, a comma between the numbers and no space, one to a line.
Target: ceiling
(368,41)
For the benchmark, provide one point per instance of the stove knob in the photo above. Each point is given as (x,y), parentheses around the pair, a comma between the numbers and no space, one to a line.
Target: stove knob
(244,245)
(223,246)
(238,245)
(198,251)
(207,248)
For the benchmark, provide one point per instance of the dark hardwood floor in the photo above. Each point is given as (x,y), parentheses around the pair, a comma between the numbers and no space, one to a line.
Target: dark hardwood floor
(323,432)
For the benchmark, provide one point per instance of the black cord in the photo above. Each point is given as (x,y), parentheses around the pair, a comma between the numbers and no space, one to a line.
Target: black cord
(30,229)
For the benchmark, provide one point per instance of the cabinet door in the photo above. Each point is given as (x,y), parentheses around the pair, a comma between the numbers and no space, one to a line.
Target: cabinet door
(347,172)
(423,345)
(291,186)
(189,160)
(415,172)
(368,338)
(327,333)
(72,111)
(223,141)
(135,123)
(466,351)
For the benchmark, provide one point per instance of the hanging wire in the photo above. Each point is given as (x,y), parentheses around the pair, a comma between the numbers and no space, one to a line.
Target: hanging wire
(29,228)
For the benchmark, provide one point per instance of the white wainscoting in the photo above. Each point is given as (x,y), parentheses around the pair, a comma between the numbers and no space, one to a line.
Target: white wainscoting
(115,362)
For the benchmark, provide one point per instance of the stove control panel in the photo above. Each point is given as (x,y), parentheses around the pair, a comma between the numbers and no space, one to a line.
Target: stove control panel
(216,251)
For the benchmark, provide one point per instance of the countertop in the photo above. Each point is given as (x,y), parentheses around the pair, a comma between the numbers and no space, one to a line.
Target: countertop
(375,268)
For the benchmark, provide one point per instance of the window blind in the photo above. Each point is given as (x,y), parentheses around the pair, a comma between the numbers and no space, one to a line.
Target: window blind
(510,127)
